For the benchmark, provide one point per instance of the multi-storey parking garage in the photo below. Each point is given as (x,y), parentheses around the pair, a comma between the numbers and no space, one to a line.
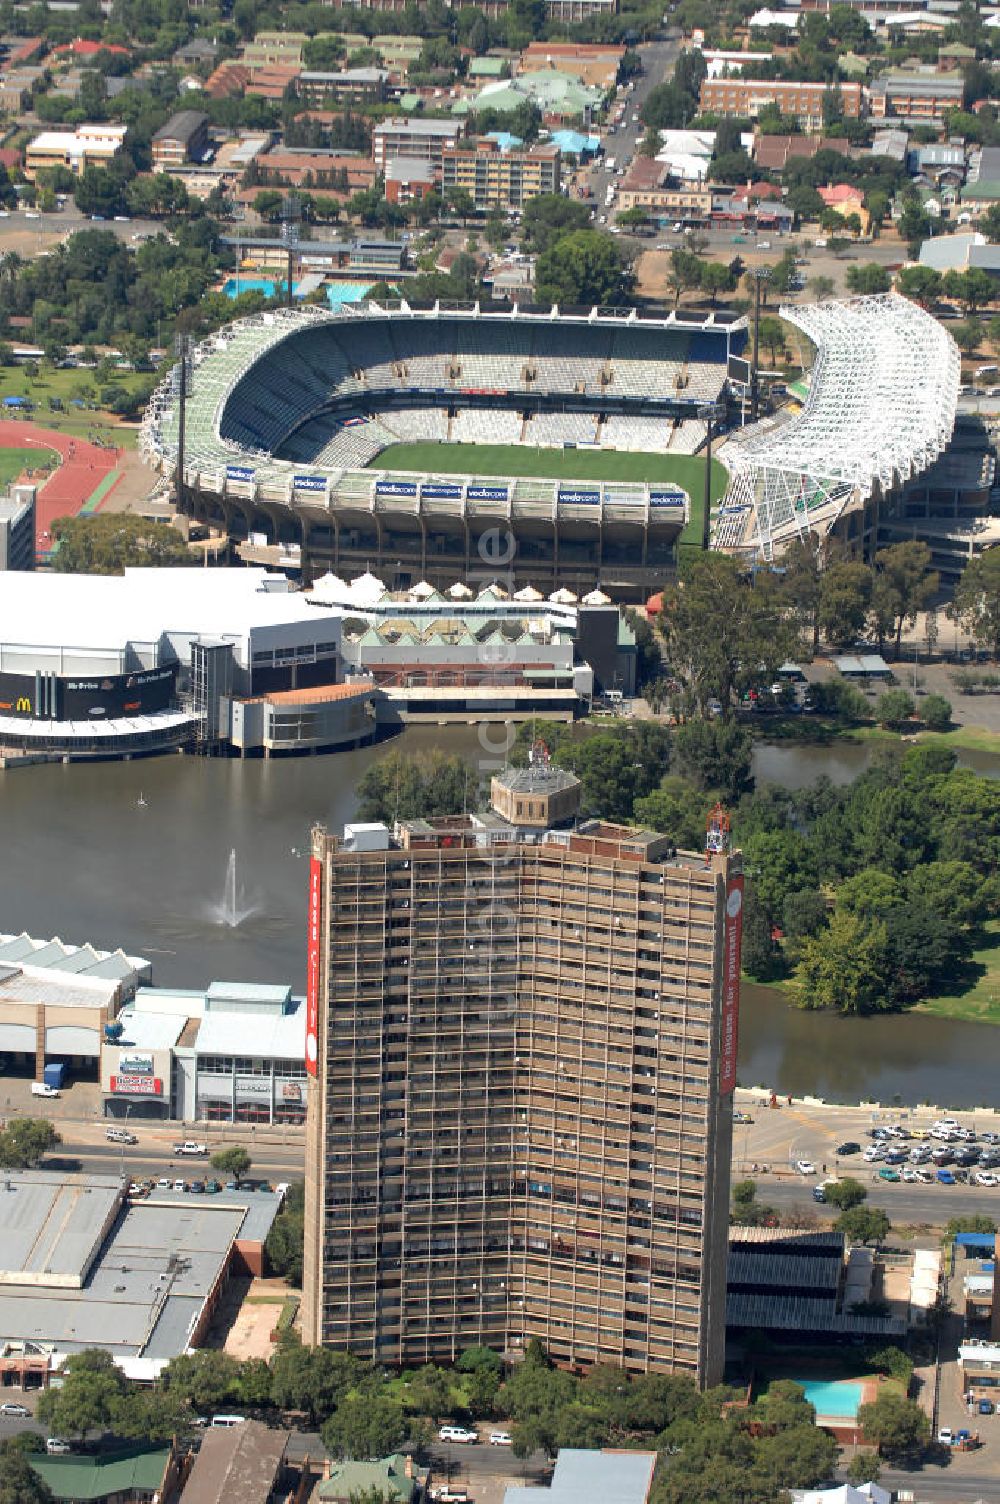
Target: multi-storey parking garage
(880,410)
(285,411)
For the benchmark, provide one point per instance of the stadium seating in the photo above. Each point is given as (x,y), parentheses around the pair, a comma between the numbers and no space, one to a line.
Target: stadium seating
(621,431)
(476,425)
(561,428)
(688,436)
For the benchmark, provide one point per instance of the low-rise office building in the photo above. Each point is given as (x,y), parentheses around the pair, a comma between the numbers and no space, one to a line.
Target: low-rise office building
(86,146)
(496,177)
(747,97)
(352,86)
(184,138)
(916,97)
(17,529)
(233,1052)
(419,140)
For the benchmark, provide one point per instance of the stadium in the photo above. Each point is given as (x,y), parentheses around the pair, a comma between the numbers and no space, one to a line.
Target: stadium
(294,420)
(880,409)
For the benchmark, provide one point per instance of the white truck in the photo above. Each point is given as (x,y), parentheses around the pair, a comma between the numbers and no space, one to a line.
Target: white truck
(190,1147)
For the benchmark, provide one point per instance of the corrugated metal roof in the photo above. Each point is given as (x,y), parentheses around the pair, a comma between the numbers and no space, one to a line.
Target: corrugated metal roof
(276,1036)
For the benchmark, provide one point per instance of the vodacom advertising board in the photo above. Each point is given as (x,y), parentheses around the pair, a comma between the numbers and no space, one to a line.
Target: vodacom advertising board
(312,965)
(731,986)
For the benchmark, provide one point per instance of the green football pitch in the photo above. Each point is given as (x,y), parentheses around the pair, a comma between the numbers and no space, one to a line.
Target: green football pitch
(685,470)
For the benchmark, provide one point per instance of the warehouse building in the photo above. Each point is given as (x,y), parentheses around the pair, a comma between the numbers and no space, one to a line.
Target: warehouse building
(83,1266)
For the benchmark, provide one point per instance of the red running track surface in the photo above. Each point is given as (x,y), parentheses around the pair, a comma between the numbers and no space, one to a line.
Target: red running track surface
(83,468)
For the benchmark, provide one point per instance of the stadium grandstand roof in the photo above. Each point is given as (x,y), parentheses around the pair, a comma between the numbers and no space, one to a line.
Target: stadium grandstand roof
(261,389)
(880,409)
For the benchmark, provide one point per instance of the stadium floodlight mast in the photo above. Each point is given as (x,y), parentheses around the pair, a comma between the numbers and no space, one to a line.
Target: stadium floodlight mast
(710,414)
(291,213)
(760,275)
(182,346)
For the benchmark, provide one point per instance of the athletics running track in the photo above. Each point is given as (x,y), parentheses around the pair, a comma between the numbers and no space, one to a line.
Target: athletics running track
(81,484)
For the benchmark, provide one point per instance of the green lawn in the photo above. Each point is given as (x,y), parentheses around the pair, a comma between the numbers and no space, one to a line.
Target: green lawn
(685,470)
(64,386)
(13,461)
(976,994)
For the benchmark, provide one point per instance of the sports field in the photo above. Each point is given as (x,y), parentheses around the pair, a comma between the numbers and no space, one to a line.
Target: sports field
(13,461)
(685,470)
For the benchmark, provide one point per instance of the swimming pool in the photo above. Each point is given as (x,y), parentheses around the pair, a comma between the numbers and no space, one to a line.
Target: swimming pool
(840,1400)
(346,292)
(235,285)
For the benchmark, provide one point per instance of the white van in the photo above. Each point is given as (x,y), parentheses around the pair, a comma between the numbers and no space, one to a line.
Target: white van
(43,1089)
(226,1422)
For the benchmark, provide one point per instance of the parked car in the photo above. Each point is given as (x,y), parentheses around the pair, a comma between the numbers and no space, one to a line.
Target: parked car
(458,1433)
(945,1177)
(986,1407)
(19,1411)
(927,1177)
(873,1153)
(120,1136)
(986,1177)
(742,1117)
(848,1147)
(501,1439)
(56,1447)
(197,1187)
(189,1146)
(212,1187)
(892,1175)
(805,1167)
(911,1175)
(896,1157)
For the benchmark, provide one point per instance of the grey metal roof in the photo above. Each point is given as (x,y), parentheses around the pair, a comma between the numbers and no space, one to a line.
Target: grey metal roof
(800,1313)
(182,126)
(538,779)
(582,1476)
(51,1225)
(787,1270)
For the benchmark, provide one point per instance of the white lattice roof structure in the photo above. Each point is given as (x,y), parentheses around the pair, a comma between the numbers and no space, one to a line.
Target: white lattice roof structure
(880,409)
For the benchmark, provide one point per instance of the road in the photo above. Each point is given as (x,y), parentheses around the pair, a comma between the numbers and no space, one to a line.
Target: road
(913,1204)
(658,59)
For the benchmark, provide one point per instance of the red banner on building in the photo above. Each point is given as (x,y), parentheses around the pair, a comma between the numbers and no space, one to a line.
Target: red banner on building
(731,986)
(137,1086)
(312,966)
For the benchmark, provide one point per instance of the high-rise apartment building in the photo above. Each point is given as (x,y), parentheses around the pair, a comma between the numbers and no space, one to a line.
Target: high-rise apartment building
(524,1047)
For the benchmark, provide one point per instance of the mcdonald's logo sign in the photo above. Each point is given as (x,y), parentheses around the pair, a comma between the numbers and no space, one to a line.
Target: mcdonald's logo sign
(23,705)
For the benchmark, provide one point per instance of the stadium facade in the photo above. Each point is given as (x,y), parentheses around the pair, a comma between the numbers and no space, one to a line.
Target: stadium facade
(286,409)
(880,411)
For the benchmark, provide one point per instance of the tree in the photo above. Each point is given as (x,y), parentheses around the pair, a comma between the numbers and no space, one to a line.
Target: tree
(899,1428)
(821,287)
(313,1379)
(804,913)
(922,284)
(867,278)
(234,1161)
(88,1397)
(846,1193)
(110,542)
(365,1427)
(910,583)
(894,708)
(843,967)
(418,786)
(759,954)
(25,1142)
(801,584)
(19,1483)
(863,1224)
(206,1378)
(845,591)
(976,602)
(716,754)
(864,1467)
(722,635)
(582,267)
(284,1241)
(549,217)
(772,337)
(935,712)
(429,1393)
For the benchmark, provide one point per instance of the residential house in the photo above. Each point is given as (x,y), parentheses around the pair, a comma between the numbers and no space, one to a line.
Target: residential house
(773,152)
(393,1478)
(846,200)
